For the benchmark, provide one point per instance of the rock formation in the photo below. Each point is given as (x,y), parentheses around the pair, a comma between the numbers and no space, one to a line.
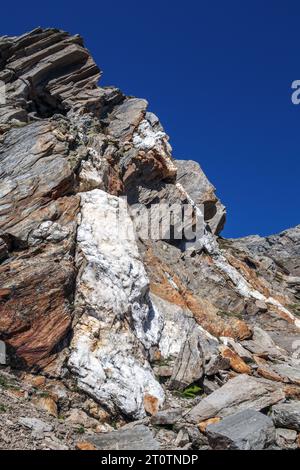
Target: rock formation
(115,327)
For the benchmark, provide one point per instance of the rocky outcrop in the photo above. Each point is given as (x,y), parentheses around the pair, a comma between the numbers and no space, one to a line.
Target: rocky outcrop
(117,324)
(45,72)
(108,293)
(195,182)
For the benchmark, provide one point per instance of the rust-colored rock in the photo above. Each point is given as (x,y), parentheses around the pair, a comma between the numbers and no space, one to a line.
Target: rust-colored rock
(205,313)
(47,404)
(151,404)
(203,425)
(236,363)
(264,370)
(292,391)
(85,445)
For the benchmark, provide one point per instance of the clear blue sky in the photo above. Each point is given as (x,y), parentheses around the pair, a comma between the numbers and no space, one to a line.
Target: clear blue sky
(217,73)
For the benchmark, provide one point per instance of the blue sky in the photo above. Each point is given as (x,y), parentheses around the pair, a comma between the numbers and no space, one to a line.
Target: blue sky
(217,73)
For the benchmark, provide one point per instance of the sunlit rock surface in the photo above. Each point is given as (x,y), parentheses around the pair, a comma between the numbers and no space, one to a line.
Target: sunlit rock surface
(120,323)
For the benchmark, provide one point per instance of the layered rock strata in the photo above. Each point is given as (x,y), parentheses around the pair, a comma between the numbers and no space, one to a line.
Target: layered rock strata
(133,320)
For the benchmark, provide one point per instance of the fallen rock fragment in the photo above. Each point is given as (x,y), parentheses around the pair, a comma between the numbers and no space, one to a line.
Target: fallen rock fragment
(47,404)
(137,438)
(262,345)
(287,415)
(236,363)
(286,438)
(265,370)
(289,373)
(85,445)
(151,404)
(237,394)
(203,425)
(167,417)
(242,352)
(194,181)
(246,430)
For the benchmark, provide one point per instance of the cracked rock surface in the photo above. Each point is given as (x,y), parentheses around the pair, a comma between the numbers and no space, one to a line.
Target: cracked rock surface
(110,337)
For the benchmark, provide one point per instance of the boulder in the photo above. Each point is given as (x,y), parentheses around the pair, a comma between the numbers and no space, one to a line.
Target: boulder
(137,438)
(246,430)
(167,417)
(287,415)
(237,394)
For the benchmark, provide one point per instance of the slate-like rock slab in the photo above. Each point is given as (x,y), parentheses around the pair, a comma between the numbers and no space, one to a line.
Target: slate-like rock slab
(167,417)
(246,430)
(290,373)
(287,415)
(138,438)
(237,394)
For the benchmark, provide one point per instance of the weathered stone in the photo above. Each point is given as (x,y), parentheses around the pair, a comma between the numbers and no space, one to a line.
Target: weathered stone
(137,438)
(203,425)
(47,404)
(246,430)
(37,426)
(263,345)
(189,364)
(167,417)
(237,394)
(287,415)
(238,349)
(290,373)
(283,247)
(112,309)
(209,386)
(52,443)
(216,364)
(194,181)
(236,363)
(182,439)
(79,418)
(286,438)
(268,373)
(50,72)
(151,404)
(107,356)
(183,340)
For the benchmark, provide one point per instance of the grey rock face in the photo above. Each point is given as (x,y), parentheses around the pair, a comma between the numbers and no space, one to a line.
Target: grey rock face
(47,71)
(185,343)
(247,430)
(287,415)
(277,259)
(137,438)
(284,247)
(237,394)
(194,181)
(263,345)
